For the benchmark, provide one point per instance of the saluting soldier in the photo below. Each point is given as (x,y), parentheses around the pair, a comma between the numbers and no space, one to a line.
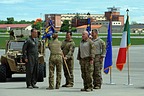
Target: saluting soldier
(30,55)
(86,55)
(100,54)
(55,60)
(68,46)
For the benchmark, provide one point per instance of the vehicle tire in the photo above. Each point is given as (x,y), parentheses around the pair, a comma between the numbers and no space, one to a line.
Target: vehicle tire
(8,72)
(41,73)
(44,69)
(2,73)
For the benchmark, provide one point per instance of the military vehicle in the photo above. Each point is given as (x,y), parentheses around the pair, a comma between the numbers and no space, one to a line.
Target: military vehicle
(12,61)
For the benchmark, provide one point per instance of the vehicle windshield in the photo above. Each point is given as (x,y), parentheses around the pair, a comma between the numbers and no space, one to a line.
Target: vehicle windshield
(16,45)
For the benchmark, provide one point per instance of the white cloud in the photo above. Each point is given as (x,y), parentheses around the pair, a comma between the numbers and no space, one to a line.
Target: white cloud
(11,1)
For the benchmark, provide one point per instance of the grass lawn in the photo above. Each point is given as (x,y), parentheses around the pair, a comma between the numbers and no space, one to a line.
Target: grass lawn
(115,41)
(3,42)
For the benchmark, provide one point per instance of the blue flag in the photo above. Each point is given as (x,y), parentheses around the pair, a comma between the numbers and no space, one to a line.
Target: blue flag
(108,57)
(88,29)
(49,30)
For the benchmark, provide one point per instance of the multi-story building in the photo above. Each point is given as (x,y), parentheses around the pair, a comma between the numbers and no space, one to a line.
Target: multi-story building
(79,19)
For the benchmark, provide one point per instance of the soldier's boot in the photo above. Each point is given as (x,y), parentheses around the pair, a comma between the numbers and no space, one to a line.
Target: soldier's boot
(29,87)
(57,87)
(69,85)
(83,89)
(89,89)
(97,86)
(64,85)
(49,88)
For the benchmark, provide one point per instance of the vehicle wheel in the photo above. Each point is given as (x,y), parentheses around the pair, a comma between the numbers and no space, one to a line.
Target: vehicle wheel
(8,72)
(44,69)
(2,73)
(41,73)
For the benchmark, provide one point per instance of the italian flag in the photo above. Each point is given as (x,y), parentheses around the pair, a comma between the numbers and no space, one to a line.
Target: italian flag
(124,45)
(121,59)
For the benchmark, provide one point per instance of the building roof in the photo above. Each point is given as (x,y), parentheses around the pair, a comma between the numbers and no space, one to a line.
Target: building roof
(92,26)
(14,25)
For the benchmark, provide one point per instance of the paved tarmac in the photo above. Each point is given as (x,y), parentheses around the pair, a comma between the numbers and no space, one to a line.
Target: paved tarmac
(17,87)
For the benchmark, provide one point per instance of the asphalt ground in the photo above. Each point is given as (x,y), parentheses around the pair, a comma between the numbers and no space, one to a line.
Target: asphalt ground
(117,86)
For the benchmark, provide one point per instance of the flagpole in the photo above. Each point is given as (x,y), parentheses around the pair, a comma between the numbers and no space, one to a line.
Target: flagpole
(112,62)
(128,63)
(111,77)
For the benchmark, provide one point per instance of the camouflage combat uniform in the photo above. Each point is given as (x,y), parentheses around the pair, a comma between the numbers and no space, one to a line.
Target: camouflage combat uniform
(68,50)
(30,52)
(100,53)
(86,52)
(55,59)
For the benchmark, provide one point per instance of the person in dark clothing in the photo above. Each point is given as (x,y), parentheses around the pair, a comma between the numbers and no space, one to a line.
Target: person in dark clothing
(12,37)
(30,55)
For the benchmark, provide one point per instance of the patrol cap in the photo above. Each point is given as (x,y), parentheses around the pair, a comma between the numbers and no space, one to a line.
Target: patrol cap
(95,30)
(55,35)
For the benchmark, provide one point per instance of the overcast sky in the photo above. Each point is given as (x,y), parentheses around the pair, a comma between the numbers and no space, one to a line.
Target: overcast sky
(32,9)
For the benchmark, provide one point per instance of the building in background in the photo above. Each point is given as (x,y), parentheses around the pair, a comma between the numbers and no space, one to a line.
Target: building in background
(16,26)
(80,19)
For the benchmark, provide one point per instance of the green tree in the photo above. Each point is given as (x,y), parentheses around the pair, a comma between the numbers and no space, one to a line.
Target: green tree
(2,22)
(10,20)
(134,23)
(73,29)
(65,26)
(38,25)
(77,16)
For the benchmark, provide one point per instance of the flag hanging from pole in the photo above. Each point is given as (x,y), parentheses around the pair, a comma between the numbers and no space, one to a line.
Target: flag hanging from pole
(125,43)
(88,29)
(127,28)
(49,30)
(108,57)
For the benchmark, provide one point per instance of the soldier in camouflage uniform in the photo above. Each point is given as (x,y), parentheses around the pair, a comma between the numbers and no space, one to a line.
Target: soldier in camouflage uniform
(55,60)
(30,54)
(86,55)
(100,53)
(68,46)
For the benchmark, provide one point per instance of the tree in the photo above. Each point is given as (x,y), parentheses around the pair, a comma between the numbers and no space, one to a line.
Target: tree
(65,26)
(2,22)
(77,16)
(10,20)
(134,23)
(73,29)
(37,25)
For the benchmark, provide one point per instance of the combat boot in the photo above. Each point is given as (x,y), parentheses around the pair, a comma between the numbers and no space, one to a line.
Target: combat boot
(65,85)
(97,87)
(69,85)
(83,89)
(88,90)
